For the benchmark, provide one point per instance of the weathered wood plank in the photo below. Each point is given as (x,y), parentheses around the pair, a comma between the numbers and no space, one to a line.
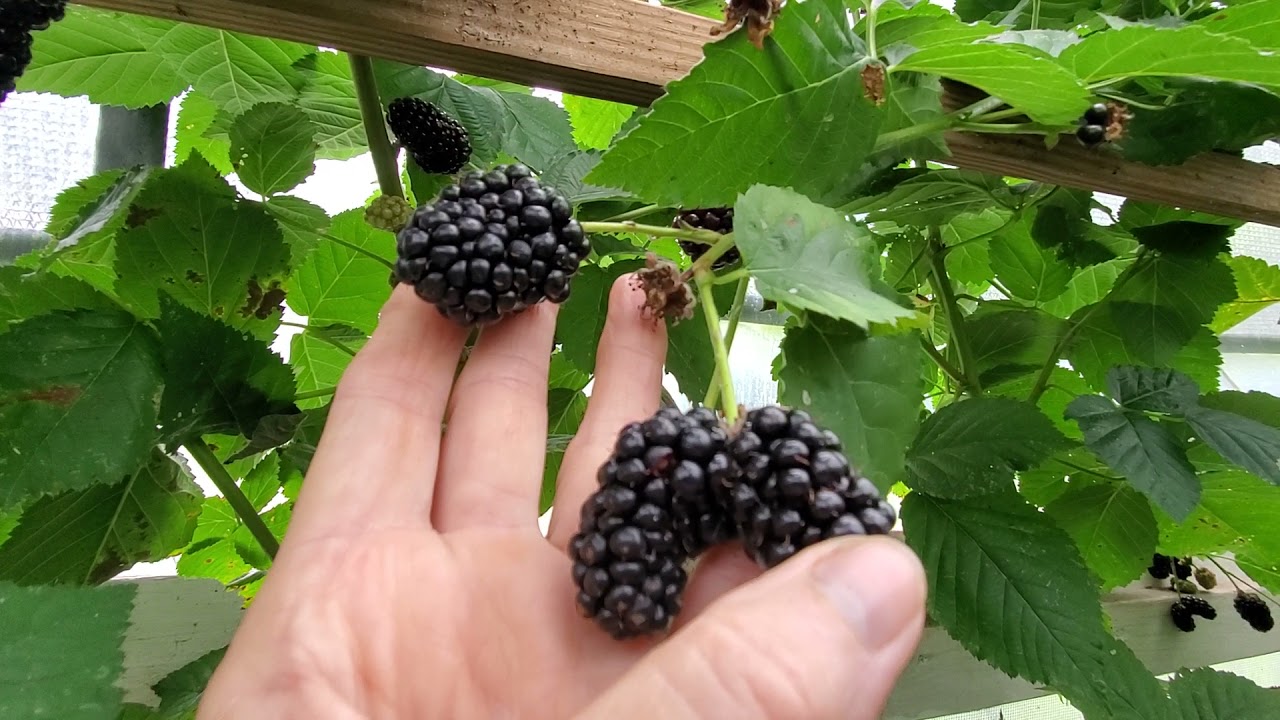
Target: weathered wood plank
(627,50)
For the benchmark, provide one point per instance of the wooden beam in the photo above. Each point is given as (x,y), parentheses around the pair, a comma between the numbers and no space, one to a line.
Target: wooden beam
(628,50)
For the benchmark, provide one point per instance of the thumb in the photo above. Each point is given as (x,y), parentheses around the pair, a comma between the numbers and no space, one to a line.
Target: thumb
(824,635)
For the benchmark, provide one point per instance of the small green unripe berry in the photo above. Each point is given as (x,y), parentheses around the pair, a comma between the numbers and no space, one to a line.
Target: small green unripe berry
(388,212)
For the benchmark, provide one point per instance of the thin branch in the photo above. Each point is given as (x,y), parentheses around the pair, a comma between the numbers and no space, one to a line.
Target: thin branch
(213,467)
(706,237)
(942,362)
(375,125)
(705,296)
(735,314)
(955,317)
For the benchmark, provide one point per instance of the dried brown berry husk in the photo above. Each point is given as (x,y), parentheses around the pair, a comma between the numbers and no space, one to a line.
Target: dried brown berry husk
(758,15)
(666,293)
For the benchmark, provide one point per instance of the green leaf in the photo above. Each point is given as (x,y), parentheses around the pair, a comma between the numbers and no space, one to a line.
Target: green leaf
(1029,271)
(1138,213)
(180,691)
(271,432)
(87,536)
(263,481)
(1100,344)
(595,122)
(1063,222)
(1161,304)
(566,172)
(1012,589)
(1236,514)
(973,447)
(277,521)
(1205,116)
(25,295)
(1207,694)
(1187,238)
(1263,570)
(318,365)
(920,26)
(273,148)
(1138,448)
(61,650)
(78,400)
(217,521)
(933,198)
(329,99)
(581,318)
(1187,52)
(1086,287)
(337,284)
(301,224)
(866,389)
(299,452)
(106,56)
(968,257)
(536,130)
(1026,79)
(564,374)
(565,410)
(218,560)
(1021,13)
(1114,528)
(1008,341)
(1257,288)
(1257,22)
(1152,389)
(687,150)
(234,70)
(812,257)
(195,118)
(1260,406)
(211,256)
(1245,442)
(216,379)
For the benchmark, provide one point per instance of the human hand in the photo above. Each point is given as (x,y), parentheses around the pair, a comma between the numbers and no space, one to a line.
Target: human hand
(414,581)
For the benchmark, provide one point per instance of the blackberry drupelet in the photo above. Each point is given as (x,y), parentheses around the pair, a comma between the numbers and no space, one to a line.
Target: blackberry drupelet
(1184,610)
(1254,610)
(1091,135)
(18,18)
(1097,114)
(436,142)
(491,246)
(715,219)
(795,487)
(1161,566)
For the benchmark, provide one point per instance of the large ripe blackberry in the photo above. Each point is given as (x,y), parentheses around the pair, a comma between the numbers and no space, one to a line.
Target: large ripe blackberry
(655,508)
(491,246)
(18,18)
(715,219)
(795,487)
(1184,609)
(1255,611)
(436,142)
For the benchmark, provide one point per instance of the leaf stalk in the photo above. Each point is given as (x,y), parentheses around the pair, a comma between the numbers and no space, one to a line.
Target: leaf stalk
(735,315)
(375,125)
(705,282)
(213,467)
(968,369)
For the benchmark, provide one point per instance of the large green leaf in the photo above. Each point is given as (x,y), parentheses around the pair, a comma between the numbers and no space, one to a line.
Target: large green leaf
(318,364)
(1207,694)
(234,70)
(967,236)
(87,536)
(1086,287)
(1012,589)
(1026,79)
(595,122)
(689,356)
(218,560)
(108,56)
(61,653)
(25,294)
(1236,514)
(920,26)
(812,257)
(1205,116)
(1257,22)
(78,399)
(1006,341)
(216,379)
(1160,305)
(1029,271)
(688,150)
(1257,288)
(329,98)
(1112,525)
(301,224)
(1185,52)
(1100,344)
(866,389)
(1245,442)
(1023,13)
(180,691)
(1148,455)
(195,118)
(1159,390)
(933,198)
(337,284)
(973,447)
(273,147)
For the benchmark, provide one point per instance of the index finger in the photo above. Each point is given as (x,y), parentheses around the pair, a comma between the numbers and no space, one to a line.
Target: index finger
(375,465)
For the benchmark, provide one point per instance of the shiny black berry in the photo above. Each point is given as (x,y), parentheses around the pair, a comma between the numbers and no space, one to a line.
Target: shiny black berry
(1091,135)
(715,219)
(1097,114)
(436,142)
(1255,611)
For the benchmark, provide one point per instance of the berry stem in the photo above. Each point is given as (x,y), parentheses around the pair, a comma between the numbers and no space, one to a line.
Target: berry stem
(723,245)
(955,318)
(735,315)
(870,6)
(1035,14)
(375,125)
(705,282)
(1011,128)
(706,237)
(213,467)
(942,362)
(316,394)
(633,214)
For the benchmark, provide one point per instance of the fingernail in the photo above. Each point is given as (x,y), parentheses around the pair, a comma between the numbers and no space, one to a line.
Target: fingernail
(875,584)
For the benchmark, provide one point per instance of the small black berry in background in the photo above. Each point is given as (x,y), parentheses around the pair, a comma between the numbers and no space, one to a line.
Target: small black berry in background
(491,246)
(436,142)
(1091,135)
(1255,611)
(1097,114)
(1184,610)
(795,487)
(1161,566)
(1182,568)
(1205,578)
(714,219)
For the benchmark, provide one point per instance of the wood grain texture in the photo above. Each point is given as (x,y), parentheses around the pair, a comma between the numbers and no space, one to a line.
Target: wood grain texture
(627,50)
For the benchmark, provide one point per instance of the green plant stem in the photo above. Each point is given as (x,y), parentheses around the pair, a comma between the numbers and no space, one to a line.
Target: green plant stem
(870,6)
(708,300)
(889,140)
(1009,128)
(948,369)
(212,467)
(375,125)
(1035,14)
(1016,216)
(633,214)
(731,276)
(327,339)
(955,318)
(706,237)
(1085,470)
(316,394)
(995,283)
(997,115)
(708,258)
(735,315)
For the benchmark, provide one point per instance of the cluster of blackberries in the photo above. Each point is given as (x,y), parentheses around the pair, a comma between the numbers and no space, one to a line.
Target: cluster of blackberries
(438,143)
(714,219)
(1185,609)
(18,18)
(1093,126)
(490,246)
(1249,606)
(679,483)
(1255,611)
(1163,566)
